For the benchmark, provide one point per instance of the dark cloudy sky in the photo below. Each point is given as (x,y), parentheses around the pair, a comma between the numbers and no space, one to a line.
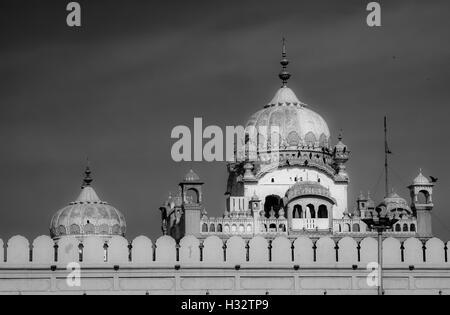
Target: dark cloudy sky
(114,89)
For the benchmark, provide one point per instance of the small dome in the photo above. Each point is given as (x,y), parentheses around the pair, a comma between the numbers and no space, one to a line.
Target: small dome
(308,188)
(88,215)
(421,180)
(394,202)
(191,176)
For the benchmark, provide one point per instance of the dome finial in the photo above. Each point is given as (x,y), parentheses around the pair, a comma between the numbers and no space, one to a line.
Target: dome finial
(340,135)
(284,74)
(87,180)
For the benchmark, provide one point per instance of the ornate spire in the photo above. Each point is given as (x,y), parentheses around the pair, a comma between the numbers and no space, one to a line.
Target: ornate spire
(87,180)
(284,74)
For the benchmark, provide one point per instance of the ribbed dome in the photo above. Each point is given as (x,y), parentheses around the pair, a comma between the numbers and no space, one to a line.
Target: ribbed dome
(88,215)
(191,176)
(421,180)
(297,124)
(307,188)
(394,202)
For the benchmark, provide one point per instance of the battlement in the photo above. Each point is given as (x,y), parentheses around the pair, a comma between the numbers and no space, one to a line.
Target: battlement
(213,251)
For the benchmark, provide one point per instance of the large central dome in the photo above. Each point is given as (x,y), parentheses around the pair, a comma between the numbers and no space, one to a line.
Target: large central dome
(296,124)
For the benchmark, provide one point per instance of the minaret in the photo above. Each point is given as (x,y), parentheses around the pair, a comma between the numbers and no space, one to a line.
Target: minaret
(191,194)
(422,204)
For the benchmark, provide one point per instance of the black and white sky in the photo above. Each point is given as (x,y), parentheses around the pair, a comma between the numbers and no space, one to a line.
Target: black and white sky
(114,88)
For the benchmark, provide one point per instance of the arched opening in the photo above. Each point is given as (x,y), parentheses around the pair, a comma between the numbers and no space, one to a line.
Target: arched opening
(346,227)
(205,228)
(241,228)
(219,228)
(398,228)
(89,228)
(264,228)
(273,227)
(62,230)
(355,227)
(249,228)
(310,139)
(405,227)
(293,139)
(412,227)
(323,212)
(282,227)
(103,229)
(192,196)
(423,197)
(297,213)
(272,201)
(226,228)
(323,142)
(212,228)
(310,212)
(234,228)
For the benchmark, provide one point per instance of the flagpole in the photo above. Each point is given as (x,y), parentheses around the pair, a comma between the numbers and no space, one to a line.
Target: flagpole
(386,152)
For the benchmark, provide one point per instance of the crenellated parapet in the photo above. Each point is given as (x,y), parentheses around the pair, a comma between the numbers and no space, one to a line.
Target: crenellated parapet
(43,252)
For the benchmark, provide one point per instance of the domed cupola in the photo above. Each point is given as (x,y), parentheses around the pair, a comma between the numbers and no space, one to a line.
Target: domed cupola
(421,180)
(394,205)
(288,120)
(88,215)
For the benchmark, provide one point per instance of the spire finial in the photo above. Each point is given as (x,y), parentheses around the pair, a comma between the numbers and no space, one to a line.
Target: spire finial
(87,175)
(340,135)
(284,74)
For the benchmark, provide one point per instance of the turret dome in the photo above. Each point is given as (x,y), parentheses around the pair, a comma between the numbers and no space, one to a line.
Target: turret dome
(88,215)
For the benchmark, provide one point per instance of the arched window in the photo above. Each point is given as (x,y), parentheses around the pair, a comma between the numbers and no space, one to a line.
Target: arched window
(273,227)
(116,229)
(75,229)
(297,213)
(234,228)
(241,228)
(346,227)
(405,227)
(310,139)
(192,196)
(62,230)
(205,228)
(293,139)
(398,228)
(249,228)
(212,228)
(412,227)
(219,228)
(103,229)
(311,212)
(89,228)
(355,227)
(226,228)
(423,197)
(282,228)
(323,142)
(272,201)
(264,228)
(323,212)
